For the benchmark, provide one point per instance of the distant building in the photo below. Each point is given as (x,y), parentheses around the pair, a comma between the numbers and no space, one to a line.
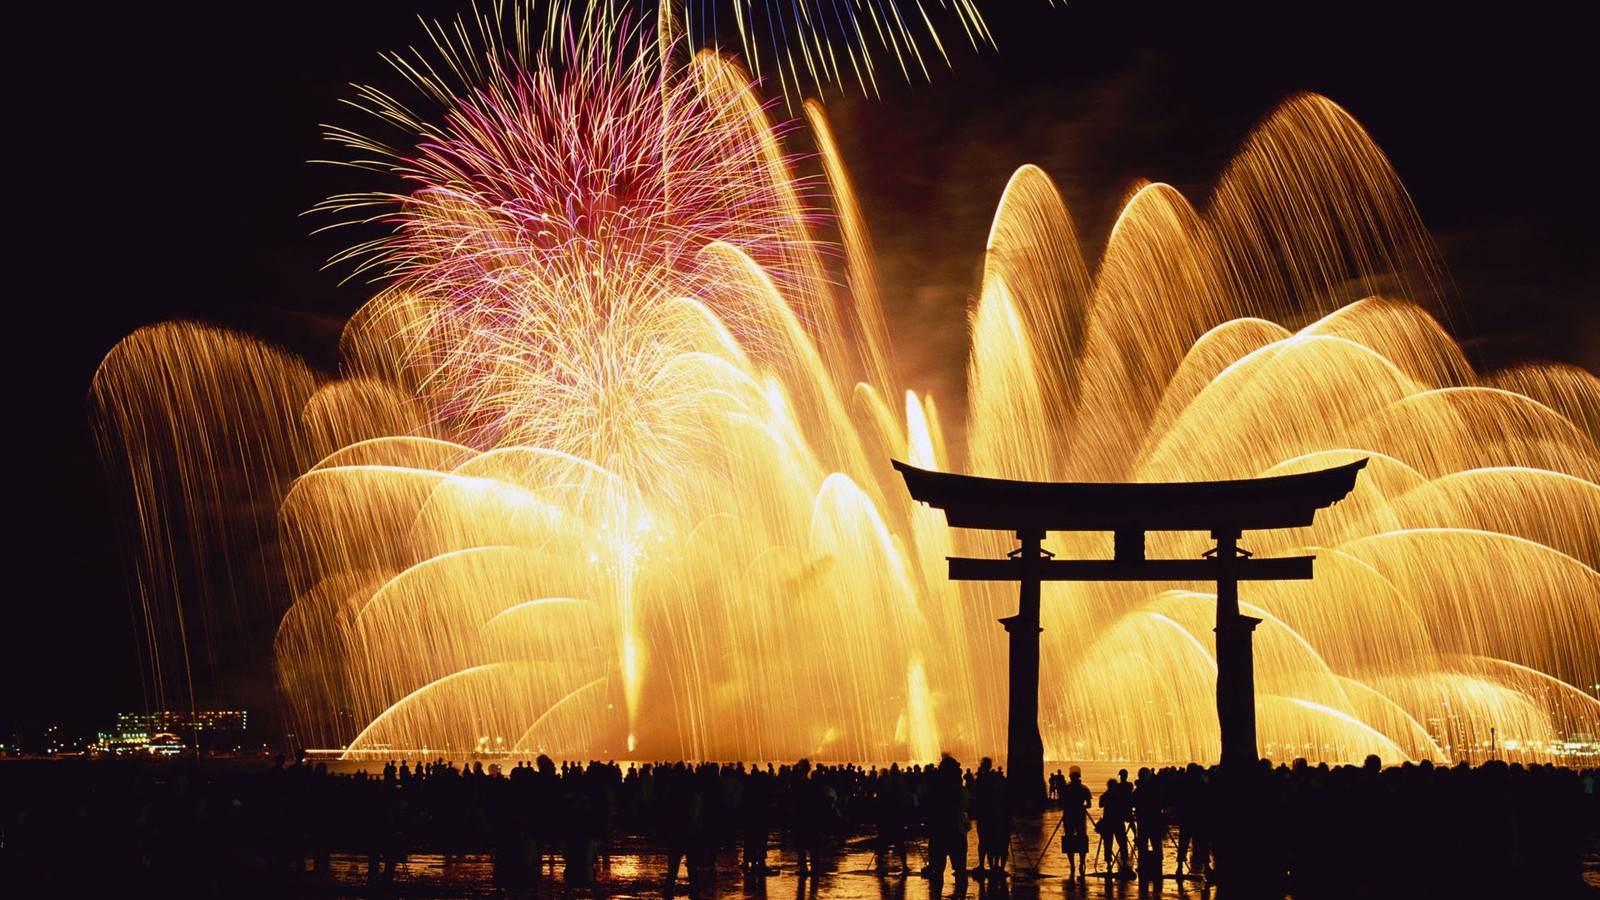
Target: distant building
(212,731)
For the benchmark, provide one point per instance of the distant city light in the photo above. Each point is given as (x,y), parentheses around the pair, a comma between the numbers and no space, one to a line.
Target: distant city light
(163,733)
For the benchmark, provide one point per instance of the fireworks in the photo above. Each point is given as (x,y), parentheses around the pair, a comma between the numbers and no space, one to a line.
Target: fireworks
(603,475)
(557,229)
(799,45)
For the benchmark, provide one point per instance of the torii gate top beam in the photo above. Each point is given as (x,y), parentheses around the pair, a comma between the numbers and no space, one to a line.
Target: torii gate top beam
(1282,501)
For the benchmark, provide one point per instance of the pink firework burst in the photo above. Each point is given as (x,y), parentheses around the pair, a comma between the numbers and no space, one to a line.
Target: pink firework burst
(557,217)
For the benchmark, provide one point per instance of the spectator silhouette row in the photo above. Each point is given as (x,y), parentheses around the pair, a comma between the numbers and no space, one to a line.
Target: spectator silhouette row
(1308,831)
(1304,830)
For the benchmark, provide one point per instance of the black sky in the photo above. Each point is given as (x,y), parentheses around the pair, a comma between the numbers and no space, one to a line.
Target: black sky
(158,169)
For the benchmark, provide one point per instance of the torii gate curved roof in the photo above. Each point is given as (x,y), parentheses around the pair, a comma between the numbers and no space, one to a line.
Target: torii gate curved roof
(1280,501)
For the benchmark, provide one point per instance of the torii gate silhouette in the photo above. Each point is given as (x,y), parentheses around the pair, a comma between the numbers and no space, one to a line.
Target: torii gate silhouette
(1223,508)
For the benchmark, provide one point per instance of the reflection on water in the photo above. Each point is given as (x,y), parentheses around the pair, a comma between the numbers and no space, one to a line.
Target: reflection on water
(636,870)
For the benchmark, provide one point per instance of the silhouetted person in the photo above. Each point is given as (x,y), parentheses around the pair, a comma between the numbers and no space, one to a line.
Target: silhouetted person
(814,807)
(993,815)
(717,806)
(1116,809)
(1150,815)
(516,855)
(755,820)
(947,824)
(543,797)
(895,806)
(578,826)
(681,811)
(1075,801)
(1193,814)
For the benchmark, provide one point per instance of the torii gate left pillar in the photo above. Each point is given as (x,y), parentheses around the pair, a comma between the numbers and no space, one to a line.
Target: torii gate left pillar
(1024,745)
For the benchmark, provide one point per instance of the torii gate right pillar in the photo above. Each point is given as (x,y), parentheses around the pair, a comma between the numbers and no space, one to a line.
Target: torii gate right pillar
(1244,872)
(1236,671)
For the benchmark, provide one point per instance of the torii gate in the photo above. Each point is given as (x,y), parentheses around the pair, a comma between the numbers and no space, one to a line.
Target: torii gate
(1223,508)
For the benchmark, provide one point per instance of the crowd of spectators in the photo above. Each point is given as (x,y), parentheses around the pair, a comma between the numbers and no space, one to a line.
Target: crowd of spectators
(1412,830)
(1309,831)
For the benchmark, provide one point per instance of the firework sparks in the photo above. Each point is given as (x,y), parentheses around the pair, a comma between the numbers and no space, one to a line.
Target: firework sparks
(558,221)
(803,44)
(647,478)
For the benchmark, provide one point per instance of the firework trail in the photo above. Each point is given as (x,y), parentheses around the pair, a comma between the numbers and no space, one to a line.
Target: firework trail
(810,44)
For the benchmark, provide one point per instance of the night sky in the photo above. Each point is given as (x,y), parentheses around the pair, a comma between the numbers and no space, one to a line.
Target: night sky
(159,170)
